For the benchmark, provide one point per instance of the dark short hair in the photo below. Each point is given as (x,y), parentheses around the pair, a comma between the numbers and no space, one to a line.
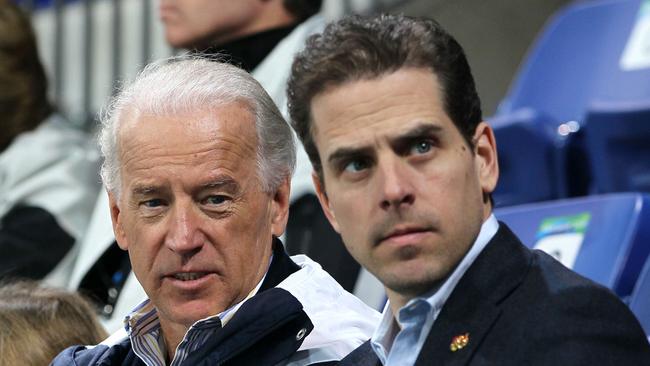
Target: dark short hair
(357,48)
(23,95)
(303,9)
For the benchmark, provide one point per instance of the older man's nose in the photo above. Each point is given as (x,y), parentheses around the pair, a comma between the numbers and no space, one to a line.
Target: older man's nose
(184,235)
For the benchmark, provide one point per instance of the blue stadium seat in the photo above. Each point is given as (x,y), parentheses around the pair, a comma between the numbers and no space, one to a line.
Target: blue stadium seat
(609,233)
(640,299)
(617,138)
(561,71)
(574,61)
(528,153)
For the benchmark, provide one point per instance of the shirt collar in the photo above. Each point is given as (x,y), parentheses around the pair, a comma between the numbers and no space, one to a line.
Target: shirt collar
(388,328)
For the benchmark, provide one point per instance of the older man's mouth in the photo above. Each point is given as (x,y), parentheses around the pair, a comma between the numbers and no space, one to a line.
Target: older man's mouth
(190,280)
(189,276)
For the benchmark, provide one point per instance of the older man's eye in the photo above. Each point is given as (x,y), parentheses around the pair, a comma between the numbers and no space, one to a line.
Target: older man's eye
(356,166)
(215,200)
(153,203)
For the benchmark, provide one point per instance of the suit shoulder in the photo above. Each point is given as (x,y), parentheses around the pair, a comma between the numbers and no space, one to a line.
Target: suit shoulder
(556,279)
(551,286)
(567,313)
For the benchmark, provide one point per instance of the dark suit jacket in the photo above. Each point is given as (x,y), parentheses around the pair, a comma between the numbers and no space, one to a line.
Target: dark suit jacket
(522,307)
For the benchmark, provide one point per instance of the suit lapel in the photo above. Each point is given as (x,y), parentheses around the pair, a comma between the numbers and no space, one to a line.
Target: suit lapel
(474,305)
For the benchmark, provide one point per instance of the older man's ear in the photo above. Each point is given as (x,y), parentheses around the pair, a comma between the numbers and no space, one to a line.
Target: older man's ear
(116,219)
(280,207)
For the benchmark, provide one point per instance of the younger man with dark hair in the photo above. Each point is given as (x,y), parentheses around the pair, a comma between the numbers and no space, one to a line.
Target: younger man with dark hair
(404,166)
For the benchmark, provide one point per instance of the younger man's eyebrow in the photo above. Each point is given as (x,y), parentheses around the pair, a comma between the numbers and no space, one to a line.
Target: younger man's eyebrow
(404,141)
(420,130)
(345,153)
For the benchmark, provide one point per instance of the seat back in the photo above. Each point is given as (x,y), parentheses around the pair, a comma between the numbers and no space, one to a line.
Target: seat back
(528,153)
(604,238)
(640,299)
(581,56)
(617,139)
(574,57)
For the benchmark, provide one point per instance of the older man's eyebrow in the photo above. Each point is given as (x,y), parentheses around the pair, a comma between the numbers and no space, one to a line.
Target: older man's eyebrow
(225,183)
(145,190)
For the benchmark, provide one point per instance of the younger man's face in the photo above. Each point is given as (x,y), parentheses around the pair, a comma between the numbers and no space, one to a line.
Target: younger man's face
(400,183)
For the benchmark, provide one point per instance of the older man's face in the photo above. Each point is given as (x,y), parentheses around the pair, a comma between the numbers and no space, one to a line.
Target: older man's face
(191,212)
(401,185)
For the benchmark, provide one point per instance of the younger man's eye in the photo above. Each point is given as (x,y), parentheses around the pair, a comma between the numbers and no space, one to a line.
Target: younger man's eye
(421,147)
(356,166)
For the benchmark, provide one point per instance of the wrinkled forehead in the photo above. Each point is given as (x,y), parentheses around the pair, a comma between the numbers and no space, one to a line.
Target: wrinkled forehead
(226,131)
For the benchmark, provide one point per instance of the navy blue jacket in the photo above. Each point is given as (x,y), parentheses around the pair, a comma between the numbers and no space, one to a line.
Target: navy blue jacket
(522,307)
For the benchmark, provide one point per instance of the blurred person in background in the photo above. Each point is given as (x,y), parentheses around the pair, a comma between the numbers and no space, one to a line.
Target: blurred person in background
(36,323)
(48,169)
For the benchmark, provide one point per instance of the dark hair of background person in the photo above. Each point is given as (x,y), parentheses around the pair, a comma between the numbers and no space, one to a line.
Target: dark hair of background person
(37,323)
(303,9)
(357,48)
(23,95)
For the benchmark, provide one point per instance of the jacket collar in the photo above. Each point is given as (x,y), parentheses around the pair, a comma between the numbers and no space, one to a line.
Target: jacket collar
(281,267)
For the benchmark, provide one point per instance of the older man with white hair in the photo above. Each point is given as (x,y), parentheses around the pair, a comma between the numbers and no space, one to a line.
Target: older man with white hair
(198,162)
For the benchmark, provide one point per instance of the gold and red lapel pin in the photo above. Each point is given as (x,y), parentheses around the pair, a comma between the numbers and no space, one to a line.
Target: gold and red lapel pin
(459,342)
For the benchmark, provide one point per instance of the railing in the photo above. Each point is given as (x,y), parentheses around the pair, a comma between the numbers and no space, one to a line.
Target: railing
(88,46)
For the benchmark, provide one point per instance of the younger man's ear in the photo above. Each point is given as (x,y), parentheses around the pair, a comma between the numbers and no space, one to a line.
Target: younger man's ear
(487,163)
(324,201)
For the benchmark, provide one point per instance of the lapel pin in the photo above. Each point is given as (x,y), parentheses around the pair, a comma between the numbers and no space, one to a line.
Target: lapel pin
(459,342)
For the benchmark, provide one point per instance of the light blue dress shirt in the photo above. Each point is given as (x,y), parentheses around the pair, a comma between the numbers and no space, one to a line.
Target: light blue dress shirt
(398,340)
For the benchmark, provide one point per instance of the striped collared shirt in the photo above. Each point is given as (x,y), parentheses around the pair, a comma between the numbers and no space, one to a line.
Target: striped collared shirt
(143,327)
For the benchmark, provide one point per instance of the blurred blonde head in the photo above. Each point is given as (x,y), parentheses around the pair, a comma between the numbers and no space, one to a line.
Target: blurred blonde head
(36,323)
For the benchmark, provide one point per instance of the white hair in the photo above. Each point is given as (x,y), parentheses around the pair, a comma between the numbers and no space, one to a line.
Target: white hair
(185,84)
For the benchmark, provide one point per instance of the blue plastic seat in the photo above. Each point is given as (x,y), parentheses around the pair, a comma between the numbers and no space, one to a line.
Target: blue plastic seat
(574,62)
(617,139)
(613,232)
(640,299)
(527,156)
